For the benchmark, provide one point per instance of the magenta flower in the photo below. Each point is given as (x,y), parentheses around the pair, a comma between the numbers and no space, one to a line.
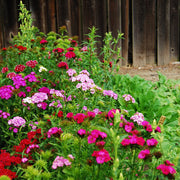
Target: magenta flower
(82,132)
(143,154)
(79,117)
(69,115)
(102,156)
(152,142)
(42,105)
(166,168)
(54,131)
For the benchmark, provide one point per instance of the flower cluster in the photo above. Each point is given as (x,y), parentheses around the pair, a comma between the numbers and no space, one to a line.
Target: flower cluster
(147,126)
(110,93)
(39,97)
(31,77)
(70,54)
(4,69)
(138,117)
(43,41)
(31,147)
(128,97)
(18,81)
(17,122)
(20,68)
(63,65)
(96,135)
(79,117)
(4,115)
(133,140)
(101,156)
(71,72)
(31,63)
(167,168)
(10,75)
(54,131)
(60,161)
(152,142)
(144,154)
(6,92)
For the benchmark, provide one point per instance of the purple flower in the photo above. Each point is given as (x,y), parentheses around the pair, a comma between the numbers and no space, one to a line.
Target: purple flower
(6,92)
(31,77)
(18,81)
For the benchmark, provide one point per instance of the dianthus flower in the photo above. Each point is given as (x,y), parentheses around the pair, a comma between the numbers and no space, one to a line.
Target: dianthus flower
(10,75)
(41,69)
(31,63)
(133,140)
(58,50)
(143,154)
(70,54)
(71,72)
(42,105)
(55,131)
(167,168)
(31,77)
(39,97)
(17,122)
(58,93)
(60,161)
(56,104)
(28,89)
(84,48)
(6,92)
(63,65)
(128,97)
(18,81)
(22,48)
(43,41)
(111,113)
(147,126)
(96,134)
(91,115)
(4,69)
(152,142)
(30,147)
(21,94)
(20,68)
(110,93)
(44,90)
(81,132)
(138,117)
(129,126)
(69,115)
(79,117)
(4,115)
(102,156)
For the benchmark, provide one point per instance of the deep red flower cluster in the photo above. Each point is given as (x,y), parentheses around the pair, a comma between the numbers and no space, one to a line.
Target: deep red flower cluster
(4,49)
(22,48)
(63,65)
(60,114)
(7,160)
(4,69)
(58,50)
(20,68)
(79,117)
(70,54)
(31,63)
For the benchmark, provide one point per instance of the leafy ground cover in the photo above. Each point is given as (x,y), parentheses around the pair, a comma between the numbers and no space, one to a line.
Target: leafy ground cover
(66,114)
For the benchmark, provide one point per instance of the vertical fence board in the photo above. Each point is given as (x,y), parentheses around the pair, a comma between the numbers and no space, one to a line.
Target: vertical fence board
(114,24)
(163,32)
(75,17)
(125,30)
(174,31)
(138,20)
(51,19)
(61,13)
(10,19)
(150,31)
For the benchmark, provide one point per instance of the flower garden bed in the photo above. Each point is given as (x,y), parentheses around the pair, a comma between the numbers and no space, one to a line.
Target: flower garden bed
(65,114)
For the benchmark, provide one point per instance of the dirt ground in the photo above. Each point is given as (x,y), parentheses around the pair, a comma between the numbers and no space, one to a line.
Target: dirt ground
(171,71)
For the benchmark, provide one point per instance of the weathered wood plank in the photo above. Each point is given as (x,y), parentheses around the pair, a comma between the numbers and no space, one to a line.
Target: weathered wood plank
(163,32)
(10,19)
(51,17)
(174,30)
(114,24)
(150,31)
(138,30)
(125,30)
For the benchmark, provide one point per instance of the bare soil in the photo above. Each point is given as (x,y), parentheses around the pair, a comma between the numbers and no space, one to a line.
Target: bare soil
(171,71)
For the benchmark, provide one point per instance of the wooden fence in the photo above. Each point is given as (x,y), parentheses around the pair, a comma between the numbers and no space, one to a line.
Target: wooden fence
(151,27)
